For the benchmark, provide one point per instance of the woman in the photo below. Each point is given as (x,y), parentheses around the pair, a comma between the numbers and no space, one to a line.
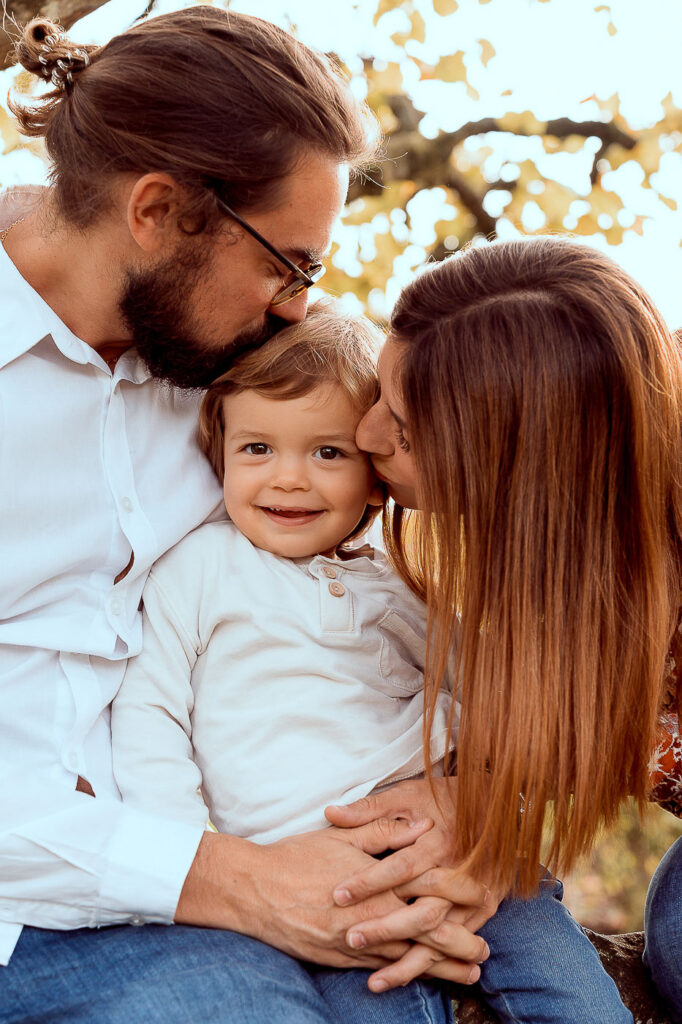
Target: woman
(530,411)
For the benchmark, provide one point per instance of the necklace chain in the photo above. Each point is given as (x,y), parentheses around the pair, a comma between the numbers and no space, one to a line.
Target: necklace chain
(4,234)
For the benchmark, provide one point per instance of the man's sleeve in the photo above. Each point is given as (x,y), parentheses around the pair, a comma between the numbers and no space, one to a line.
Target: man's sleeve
(68,860)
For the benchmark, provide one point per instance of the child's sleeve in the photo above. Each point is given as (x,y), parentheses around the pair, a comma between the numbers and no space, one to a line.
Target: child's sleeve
(151,723)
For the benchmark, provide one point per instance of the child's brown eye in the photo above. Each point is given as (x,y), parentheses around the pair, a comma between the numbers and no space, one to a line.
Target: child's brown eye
(327,452)
(256,448)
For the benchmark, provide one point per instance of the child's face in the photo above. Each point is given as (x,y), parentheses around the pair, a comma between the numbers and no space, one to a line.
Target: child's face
(295,482)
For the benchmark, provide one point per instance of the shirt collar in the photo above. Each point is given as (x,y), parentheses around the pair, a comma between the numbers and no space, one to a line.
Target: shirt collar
(26,319)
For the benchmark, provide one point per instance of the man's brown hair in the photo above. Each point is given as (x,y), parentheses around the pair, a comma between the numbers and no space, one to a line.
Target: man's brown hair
(543,398)
(216,99)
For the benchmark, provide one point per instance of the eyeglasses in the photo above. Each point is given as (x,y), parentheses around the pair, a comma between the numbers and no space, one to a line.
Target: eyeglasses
(302,279)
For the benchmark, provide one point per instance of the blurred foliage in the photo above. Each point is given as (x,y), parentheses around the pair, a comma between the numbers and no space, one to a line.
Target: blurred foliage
(607,892)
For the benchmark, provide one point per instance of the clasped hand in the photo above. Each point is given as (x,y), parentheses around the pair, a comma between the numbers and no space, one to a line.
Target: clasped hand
(446,906)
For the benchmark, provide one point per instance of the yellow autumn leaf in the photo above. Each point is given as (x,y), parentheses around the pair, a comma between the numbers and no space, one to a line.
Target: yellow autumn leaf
(587,225)
(488,51)
(602,7)
(418,27)
(386,82)
(670,203)
(523,123)
(611,29)
(8,132)
(384,7)
(451,68)
(445,7)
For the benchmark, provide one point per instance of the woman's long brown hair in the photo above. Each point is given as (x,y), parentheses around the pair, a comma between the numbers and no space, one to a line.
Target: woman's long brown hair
(543,397)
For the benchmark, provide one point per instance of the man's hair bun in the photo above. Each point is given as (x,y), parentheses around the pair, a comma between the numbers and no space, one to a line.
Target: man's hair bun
(46,51)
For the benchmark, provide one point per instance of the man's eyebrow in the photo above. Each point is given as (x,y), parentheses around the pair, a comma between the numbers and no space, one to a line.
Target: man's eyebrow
(304,255)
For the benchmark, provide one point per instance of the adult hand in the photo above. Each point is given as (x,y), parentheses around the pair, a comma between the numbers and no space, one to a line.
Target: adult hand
(281,893)
(452,905)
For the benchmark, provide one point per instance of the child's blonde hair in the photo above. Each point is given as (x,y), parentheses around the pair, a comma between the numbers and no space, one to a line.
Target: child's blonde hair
(328,347)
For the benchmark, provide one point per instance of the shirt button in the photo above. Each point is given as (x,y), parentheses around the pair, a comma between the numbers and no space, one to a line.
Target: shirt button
(137,920)
(126,504)
(329,572)
(116,607)
(337,589)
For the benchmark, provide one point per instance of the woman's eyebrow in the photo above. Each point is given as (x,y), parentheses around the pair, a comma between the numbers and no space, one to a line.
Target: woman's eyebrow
(401,423)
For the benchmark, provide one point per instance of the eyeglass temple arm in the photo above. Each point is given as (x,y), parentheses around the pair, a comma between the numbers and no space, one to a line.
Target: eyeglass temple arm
(300,274)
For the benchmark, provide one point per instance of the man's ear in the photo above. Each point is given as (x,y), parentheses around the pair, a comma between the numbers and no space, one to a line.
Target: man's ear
(153,205)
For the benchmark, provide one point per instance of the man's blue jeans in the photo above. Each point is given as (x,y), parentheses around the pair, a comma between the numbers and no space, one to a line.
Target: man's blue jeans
(663,929)
(183,975)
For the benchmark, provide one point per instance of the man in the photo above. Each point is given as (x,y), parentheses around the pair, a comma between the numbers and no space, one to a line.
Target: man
(199,163)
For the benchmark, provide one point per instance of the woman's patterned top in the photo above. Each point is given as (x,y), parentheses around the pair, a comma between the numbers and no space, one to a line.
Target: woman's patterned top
(666,760)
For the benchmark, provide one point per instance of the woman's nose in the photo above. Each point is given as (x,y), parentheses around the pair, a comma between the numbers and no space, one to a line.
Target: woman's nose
(373,432)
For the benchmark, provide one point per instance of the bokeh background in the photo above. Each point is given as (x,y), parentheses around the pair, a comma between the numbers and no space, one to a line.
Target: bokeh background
(501,118)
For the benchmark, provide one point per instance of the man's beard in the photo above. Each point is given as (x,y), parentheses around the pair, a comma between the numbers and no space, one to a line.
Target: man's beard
(155,308)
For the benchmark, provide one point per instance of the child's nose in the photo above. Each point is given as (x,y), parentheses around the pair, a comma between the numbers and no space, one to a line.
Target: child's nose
(290,475)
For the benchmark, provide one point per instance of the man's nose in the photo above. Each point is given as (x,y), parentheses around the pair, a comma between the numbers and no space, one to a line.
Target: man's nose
(294,310)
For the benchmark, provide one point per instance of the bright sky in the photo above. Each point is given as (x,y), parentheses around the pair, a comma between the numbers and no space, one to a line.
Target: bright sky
(549,58)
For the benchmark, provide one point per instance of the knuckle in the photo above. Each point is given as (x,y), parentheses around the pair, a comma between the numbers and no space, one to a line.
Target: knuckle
(431,915)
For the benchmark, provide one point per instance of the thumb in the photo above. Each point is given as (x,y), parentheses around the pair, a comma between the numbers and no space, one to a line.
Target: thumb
(368,808)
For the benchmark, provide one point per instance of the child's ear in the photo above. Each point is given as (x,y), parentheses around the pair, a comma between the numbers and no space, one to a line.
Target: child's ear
(376,495)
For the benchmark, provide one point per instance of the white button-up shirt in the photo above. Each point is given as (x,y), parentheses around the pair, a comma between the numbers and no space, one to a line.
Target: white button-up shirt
(95,468)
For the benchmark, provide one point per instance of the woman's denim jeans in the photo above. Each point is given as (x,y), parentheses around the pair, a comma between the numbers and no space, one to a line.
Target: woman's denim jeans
(663,929)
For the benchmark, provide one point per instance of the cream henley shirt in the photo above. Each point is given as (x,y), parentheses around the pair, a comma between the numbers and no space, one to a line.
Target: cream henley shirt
(271,686)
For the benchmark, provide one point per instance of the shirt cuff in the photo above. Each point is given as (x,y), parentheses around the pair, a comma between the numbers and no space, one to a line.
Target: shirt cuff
(147,863)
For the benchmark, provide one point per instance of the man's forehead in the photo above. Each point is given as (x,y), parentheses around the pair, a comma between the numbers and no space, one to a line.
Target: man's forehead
(300,224)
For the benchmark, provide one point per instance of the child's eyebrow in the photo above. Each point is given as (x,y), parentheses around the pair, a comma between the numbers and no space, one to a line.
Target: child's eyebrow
(329,438)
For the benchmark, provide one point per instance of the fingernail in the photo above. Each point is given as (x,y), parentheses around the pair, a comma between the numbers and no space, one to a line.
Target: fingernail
(486,953)
(356,940)
(379,985)
(474,975)
(488,898)
(342,897)
(417,824)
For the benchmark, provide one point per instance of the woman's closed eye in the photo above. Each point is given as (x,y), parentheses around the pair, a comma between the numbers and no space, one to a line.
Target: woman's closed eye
(402,440)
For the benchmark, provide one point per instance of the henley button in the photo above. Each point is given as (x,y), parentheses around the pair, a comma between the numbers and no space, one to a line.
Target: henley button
(337,589)
(137,920)
(329,572)
(127,504)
